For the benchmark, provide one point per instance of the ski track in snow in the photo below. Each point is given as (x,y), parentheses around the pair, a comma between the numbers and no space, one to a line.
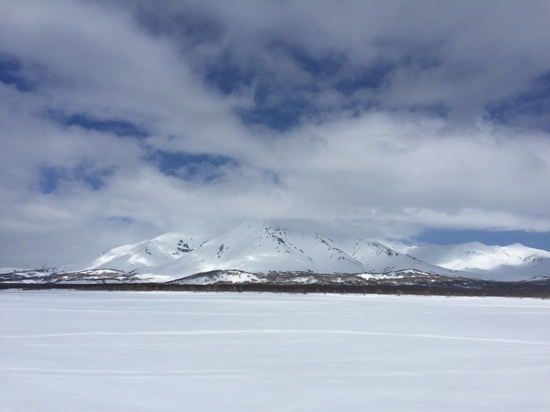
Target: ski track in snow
(234,373)
(276,331)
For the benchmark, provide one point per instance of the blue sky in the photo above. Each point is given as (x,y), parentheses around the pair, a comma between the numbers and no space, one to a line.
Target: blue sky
(409,121)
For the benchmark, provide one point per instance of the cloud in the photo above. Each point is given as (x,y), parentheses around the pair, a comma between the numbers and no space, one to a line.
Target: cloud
(124,120)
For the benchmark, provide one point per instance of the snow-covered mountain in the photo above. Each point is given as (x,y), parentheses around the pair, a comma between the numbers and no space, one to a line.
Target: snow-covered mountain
(260,248)
(379,258)
(511,262)
(257,247)
(154,252)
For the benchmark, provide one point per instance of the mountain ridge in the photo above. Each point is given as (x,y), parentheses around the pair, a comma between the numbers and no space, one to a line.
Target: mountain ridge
(257,247)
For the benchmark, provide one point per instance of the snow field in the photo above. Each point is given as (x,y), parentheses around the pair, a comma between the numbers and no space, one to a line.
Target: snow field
(127,351)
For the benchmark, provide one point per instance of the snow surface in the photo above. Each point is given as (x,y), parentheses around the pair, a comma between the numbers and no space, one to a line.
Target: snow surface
(162,351)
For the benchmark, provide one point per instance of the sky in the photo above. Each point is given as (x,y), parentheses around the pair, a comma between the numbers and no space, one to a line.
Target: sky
(420,121)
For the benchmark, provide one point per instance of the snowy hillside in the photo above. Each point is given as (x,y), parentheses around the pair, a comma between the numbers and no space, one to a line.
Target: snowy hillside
(489,262)
(380,258)
(153,252)
(260,248)
(401,277)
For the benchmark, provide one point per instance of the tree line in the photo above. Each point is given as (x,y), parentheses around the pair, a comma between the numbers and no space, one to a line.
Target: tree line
(484,288)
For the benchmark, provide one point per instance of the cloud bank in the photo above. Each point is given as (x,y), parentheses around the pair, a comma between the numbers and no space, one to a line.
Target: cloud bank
(123,120)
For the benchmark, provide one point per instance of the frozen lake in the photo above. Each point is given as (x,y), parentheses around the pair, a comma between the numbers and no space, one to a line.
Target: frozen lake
(164,351)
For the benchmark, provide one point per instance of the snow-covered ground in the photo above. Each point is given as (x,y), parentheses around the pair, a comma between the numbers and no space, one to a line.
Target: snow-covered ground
(127,351)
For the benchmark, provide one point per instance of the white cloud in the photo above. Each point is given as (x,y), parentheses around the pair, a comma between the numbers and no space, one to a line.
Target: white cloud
(393,169)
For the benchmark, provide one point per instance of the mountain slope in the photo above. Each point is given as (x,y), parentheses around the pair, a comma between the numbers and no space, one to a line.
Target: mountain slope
(260,248)
(488,262)
(154,252)
(379,258)
(257,247)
